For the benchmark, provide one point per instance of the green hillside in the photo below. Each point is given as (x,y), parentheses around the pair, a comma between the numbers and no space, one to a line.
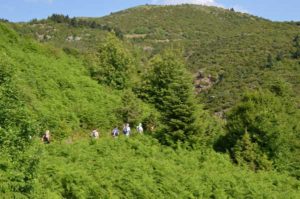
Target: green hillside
(226,50)
(232,47)
(216,91)
(56,88)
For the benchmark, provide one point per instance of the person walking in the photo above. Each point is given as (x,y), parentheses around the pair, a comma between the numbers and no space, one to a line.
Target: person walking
(46,137)
(95,134)
(126,130)
(139,128)
(115,132)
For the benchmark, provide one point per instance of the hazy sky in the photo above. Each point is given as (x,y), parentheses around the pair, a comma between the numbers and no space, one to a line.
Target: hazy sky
(24,10)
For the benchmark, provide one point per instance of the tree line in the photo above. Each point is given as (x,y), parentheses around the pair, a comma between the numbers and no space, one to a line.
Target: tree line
(77,22)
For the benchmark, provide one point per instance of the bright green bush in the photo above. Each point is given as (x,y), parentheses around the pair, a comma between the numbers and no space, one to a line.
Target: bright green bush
(115,64)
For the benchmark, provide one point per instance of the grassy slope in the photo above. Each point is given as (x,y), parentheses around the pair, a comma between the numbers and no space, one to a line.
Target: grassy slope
(140,168)
(56,87)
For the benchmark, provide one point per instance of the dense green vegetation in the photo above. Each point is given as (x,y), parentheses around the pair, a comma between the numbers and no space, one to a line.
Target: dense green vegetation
(235,133)
(230,47)
(56,88)
(140,168)
(262,130)
(168,86)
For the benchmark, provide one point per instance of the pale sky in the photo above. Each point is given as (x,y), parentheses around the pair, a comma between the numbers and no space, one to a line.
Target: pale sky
(25,10)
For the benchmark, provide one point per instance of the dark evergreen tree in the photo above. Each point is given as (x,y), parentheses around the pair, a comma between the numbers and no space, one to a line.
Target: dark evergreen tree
(270,62)
(169,87)
(247,153)
(59,18)
(93,24)
(279,56)
(296,53)
(74,22)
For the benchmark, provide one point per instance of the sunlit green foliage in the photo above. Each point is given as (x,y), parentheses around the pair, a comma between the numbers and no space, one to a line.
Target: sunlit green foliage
(139,168)
(115,64)
(15,123)
(56,88)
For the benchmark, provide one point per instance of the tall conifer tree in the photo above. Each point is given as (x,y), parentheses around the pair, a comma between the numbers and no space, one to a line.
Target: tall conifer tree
(169,87)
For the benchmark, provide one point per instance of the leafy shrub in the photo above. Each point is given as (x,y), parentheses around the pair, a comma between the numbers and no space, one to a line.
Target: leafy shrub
(115,64)
(262,129)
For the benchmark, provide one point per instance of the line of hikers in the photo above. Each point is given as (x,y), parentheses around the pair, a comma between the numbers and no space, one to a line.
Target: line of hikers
(95,134)
(115,132)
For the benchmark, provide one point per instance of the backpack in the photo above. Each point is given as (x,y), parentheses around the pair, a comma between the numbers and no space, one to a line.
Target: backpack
(46,139)
(126,130)
(115,132)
